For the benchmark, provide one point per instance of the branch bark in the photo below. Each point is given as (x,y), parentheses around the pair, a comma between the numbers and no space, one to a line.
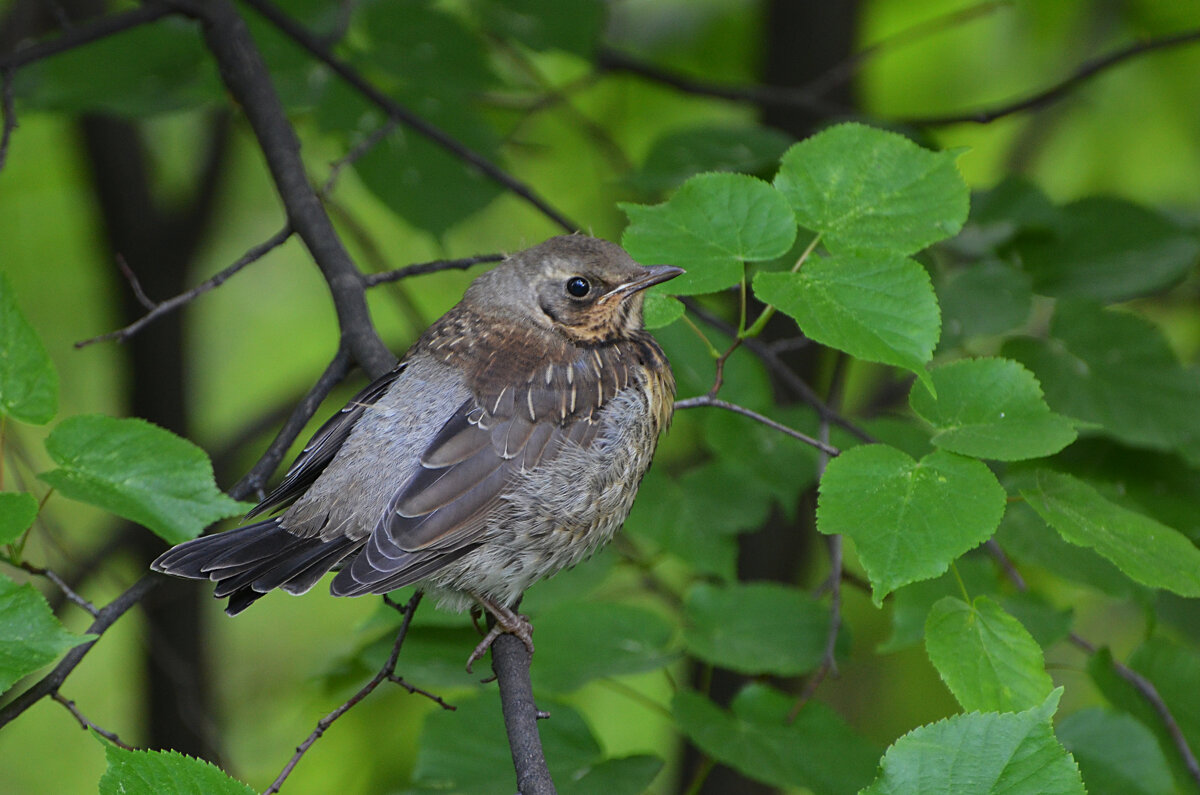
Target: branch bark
(510,662)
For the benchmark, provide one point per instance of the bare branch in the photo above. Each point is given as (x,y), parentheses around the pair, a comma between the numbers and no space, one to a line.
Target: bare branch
(359,149)
(104,619)
(385,673)
(101,28)
(402,114)
(1083,73)
(422,268)
(246,76)
(510,662)
(86,724)
(708,400)
(62,585)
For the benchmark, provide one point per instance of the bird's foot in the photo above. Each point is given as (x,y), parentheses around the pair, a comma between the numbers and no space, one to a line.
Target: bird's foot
(507,622)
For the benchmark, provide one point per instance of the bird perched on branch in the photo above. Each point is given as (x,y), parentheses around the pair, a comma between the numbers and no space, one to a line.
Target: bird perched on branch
(506,446)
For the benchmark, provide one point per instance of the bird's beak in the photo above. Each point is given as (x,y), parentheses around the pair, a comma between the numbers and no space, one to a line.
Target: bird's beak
(655,274)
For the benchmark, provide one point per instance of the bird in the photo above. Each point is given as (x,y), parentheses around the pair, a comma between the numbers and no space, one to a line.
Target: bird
(507,445)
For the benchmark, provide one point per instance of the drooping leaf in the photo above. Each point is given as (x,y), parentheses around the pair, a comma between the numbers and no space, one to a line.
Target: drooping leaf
(28,381)
(17,512)
(908,519)
(1108,250)
(818,751)
(755,628)
(880,308)
(987,659)
(1147,551)
(981,754)
(139,471)
(991,408)
(158,772)
(710,227)
(30,635)
(867,189)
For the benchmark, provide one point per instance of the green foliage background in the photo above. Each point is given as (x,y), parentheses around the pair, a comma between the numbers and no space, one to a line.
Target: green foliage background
(1102,182)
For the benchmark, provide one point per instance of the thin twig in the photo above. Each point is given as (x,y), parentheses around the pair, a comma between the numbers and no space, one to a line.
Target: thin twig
(134,284)
(61,584)
(102,27)
(388,669)
(157,310)
(422,268)
(708,400)
(413,689)
(1083,73)
(402,114)
(86,724)
(9,111)
(356,152)
(105,618)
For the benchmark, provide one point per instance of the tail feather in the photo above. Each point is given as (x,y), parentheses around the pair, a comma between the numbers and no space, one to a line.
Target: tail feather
(249,561)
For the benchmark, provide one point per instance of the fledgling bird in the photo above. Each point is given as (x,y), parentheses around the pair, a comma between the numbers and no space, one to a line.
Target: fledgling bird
(507,445)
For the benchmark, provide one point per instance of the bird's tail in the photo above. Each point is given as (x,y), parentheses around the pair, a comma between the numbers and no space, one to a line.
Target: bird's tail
(248,561)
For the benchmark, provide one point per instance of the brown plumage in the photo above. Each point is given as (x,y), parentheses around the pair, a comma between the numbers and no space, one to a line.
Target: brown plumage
(506,446)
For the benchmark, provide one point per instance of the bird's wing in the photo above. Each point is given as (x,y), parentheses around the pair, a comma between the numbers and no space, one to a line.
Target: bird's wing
(325,444)
(442,511)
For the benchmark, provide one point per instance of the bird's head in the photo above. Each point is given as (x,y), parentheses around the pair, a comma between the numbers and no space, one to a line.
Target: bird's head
(587,289)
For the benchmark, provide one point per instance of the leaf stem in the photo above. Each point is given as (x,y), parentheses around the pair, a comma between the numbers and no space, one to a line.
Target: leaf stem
(712,349)
(769,310)
(962,586)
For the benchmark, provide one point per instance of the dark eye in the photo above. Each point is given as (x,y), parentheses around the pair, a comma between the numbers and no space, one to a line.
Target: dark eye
(578,286)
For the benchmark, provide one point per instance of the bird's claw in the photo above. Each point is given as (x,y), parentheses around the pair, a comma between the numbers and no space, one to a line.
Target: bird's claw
(513,624)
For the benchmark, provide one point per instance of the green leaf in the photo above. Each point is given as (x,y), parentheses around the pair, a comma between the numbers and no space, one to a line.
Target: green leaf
(582,641)
(28,381)
(139,471)
(866,189)
(817,751)
(908,519)
(159,772)
(755,628)
(987,659)
(1045,622)
(981,754)
(880,308)
(661,310)
(987,298)
(681,154)
(711,226)
(1116,754)
(912,603)
(30,635)
(1116,369)
(782,465)
(657,517)
(17,512)
(548,24)
(991,408)
(1147,551)
(1108,250)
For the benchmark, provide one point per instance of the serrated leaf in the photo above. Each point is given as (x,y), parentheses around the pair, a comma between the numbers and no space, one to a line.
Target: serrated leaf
(710,227)
(28,381)
(683,153)
(1116,369)
(1147,551)
(159,772)
(755,628)
(1108,250)
(991,408)
(17,512)
(817,751)
(879,308)
(987,659)
(139,471)
(1116,754)
(981,754)
(867,189)
(582,641)
(30,635)
(908,519)
(661,310)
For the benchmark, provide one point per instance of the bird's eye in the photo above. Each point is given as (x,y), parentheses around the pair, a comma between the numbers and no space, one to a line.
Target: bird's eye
(578,286)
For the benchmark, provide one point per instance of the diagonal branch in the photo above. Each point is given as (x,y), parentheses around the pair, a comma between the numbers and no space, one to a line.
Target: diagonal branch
(709,400)
(402,114)
(1085,72)
(101,28)
(422,268)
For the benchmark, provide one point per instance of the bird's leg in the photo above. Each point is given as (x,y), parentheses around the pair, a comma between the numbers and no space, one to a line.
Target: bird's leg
(506,621)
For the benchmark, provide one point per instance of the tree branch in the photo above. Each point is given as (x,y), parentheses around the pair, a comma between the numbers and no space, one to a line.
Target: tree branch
(246,76)
(708,400)
(421,268)
(86,724)
(400,113)
(105,618)
(511,660)
(78,36)
(1083,73)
